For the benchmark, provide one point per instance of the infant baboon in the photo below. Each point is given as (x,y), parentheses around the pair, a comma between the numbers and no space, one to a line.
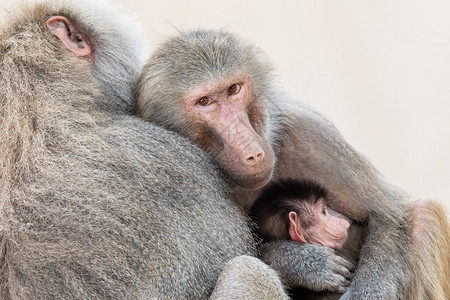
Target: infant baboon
(96,203)
(297,210)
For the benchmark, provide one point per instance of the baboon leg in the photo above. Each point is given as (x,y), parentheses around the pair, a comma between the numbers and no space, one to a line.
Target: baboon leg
(246,277)
(430,254)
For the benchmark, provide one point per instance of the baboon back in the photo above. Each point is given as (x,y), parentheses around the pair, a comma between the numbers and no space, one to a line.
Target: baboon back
(126,210)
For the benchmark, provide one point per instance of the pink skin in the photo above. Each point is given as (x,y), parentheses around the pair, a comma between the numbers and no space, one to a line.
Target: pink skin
(327,229)
(74,41)
(222,115)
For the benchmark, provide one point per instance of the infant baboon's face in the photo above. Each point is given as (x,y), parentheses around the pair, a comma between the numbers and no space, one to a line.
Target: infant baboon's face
(328,228)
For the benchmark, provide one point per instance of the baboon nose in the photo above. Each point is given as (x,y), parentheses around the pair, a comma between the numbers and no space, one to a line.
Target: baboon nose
(254,159)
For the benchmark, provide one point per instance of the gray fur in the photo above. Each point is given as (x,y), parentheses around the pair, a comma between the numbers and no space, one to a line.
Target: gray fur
(243,272)
(97,203)
(314,270)
(307,146)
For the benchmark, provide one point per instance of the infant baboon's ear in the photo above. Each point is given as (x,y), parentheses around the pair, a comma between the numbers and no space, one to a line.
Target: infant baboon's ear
(295,230)
(75,41)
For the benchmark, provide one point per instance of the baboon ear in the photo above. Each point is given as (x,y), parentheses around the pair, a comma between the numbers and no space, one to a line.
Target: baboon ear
(75,41)
(295,230)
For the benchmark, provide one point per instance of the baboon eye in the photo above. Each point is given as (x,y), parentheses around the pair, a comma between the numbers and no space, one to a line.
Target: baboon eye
(204,101)
(234,89)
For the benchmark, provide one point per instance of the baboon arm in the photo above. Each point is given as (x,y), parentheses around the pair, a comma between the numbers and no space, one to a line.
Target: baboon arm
(246,277)
(361,193)
(383,268)
(314,267)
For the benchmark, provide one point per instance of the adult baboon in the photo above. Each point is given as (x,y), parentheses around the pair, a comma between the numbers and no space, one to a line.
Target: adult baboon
(219,91)
(96,203)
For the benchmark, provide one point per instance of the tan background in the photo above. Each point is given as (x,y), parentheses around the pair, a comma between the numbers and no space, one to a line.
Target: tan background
(379,70)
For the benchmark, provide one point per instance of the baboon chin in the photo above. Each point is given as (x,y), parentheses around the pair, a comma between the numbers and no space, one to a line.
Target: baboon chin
(251,181)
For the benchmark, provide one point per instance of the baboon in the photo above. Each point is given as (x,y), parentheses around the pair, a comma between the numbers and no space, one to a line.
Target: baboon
(95,202)
(297,210)
(219,90)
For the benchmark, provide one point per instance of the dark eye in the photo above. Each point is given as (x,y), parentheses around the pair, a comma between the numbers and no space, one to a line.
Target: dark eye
(205,101)
(324,210)
(234,89)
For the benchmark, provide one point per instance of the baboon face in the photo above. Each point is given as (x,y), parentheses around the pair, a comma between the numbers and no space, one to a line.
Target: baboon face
(212,87)
(227,121)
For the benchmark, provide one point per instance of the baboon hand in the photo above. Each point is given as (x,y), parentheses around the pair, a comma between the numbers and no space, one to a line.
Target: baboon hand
(317,268)
(333,273)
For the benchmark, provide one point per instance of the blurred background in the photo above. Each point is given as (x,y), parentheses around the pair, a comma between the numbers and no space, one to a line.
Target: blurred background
(379,70)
